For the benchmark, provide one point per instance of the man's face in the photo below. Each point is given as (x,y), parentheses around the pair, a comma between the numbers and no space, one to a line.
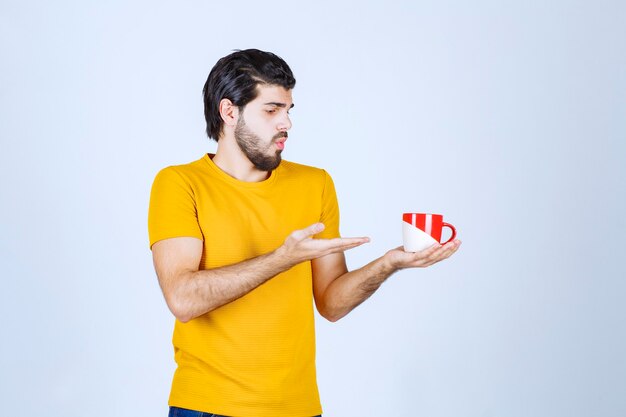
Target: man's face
(262,127)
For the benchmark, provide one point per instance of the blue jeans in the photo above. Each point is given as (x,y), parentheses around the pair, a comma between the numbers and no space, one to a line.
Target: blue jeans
(183,412)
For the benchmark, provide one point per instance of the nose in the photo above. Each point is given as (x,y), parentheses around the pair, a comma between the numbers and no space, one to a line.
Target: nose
(284,124)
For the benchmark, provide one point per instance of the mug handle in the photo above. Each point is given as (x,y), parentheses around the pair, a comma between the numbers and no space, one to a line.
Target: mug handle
(444,224)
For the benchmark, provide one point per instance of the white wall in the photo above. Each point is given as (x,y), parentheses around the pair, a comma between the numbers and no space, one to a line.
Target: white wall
(509,117)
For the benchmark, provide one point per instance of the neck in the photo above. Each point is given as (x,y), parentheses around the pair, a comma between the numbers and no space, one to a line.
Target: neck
(230,159)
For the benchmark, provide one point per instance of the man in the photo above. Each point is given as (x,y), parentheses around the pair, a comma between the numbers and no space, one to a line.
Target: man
(243,242)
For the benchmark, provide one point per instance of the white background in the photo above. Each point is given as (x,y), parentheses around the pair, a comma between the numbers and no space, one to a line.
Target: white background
(508,117)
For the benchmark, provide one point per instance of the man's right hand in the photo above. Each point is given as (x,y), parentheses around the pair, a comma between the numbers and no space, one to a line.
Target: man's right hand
(300,245)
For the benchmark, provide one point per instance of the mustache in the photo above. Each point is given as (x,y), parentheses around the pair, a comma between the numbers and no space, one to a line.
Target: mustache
(280,135)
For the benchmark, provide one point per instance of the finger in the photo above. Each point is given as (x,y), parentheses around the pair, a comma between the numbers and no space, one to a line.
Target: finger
(339,244)
(446,251)
(309,231)
(451,248)
(344,248)
(430,255)
(428,252)
(454,243)
(434,254)
(349,241)
(441,254)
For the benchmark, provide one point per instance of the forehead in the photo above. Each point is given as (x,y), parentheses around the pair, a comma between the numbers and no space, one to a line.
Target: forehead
(272,94)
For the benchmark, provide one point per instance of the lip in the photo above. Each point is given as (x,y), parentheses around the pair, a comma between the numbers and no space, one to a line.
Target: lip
(280,144)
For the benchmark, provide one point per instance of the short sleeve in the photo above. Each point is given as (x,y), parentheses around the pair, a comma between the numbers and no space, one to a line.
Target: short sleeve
(330,210)
(172,211)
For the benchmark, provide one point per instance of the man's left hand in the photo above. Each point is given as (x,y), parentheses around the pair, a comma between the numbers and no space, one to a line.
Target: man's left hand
(399,259)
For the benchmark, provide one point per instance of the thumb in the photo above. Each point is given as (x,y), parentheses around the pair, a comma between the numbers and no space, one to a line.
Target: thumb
(310,231)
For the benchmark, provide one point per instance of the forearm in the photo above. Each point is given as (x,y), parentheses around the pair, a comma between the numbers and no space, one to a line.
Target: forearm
(190,293)
(202,291)
(352,288)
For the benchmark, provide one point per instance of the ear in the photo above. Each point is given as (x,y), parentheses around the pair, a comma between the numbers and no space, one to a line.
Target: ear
(229,112)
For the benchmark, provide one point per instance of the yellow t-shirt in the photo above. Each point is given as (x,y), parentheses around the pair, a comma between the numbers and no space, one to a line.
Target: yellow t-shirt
(253,357)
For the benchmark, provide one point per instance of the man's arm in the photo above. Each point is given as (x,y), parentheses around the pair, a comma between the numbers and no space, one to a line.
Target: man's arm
(190,292)
(337,291)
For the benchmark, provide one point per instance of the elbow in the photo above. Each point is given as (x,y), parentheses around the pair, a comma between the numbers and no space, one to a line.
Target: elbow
(330,308)
(184,310)
(183,318)
(179,313)
(179,310)
(332,315)
(179,303)
(332,319)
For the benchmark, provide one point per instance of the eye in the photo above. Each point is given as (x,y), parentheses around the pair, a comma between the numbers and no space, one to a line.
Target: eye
(271,111)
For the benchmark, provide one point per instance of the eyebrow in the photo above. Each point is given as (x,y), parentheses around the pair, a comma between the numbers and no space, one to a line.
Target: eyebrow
(281,105)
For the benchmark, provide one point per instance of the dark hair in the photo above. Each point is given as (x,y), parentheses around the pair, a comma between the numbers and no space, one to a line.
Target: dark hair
(236,77)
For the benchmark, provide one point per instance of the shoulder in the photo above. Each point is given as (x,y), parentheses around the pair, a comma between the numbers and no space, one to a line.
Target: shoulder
(306,179)
(301,171)
(182,172)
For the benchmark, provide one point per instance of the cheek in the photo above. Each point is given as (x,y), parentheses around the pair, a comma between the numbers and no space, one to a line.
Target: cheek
(262,125)
(258,123)
(265,129)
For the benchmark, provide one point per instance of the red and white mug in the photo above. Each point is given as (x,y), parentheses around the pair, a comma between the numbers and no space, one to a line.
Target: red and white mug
(422,230)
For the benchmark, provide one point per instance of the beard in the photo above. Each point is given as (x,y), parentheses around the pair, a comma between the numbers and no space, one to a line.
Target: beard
(252,146)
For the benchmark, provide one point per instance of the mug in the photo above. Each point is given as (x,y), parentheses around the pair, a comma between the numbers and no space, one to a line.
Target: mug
(422,230)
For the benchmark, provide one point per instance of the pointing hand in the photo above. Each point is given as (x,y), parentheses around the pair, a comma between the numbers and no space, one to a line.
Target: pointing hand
(300,245)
